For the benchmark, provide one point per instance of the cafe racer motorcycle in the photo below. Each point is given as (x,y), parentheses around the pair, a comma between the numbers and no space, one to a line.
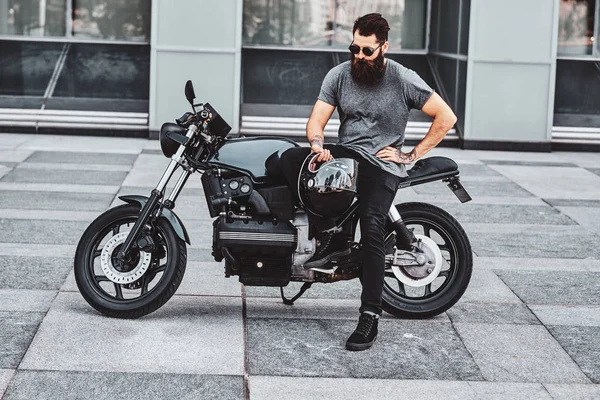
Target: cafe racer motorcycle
(132,258)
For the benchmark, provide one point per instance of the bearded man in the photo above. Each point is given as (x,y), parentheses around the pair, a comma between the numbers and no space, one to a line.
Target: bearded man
(374,96)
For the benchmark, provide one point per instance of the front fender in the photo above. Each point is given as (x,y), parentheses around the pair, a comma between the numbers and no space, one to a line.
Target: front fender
(166,213)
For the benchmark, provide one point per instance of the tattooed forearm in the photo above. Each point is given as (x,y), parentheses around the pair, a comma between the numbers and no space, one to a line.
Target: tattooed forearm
(316,139)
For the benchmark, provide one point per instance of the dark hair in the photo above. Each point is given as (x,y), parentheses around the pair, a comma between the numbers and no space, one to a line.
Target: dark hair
(372,24)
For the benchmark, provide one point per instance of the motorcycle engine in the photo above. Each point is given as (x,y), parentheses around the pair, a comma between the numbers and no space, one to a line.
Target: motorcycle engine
(260,252)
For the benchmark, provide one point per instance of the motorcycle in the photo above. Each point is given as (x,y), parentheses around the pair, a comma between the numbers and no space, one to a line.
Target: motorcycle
(132,258)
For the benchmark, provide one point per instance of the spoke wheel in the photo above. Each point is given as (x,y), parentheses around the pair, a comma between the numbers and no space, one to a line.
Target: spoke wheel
(143,281)
(427,300)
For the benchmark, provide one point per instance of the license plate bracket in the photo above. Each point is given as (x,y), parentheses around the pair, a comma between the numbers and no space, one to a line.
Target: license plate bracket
(458,189)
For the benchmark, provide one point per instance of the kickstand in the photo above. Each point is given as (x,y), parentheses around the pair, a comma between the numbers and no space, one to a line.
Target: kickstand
(290,302)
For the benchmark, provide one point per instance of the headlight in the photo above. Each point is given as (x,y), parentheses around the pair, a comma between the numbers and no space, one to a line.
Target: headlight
(168,145)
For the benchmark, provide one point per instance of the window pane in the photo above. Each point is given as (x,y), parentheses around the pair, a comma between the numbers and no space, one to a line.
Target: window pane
(112,19)
(576,26)
(319,23)
(33,17)
(576,100)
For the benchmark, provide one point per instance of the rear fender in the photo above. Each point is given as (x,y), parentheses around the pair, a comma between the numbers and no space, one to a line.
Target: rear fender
(166,213)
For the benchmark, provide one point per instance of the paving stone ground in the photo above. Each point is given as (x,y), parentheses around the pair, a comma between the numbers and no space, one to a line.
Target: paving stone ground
(528,326)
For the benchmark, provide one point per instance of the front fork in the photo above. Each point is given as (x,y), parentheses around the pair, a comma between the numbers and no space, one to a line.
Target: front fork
(157,194)
(404,237)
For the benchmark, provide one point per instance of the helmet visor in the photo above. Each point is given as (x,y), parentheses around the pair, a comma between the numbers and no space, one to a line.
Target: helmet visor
(335,176)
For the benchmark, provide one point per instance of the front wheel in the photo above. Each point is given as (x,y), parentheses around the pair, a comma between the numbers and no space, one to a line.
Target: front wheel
(141,283)
(423,292)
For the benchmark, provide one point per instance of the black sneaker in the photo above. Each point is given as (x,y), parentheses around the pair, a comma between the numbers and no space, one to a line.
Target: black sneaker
(330,246)
(365,333)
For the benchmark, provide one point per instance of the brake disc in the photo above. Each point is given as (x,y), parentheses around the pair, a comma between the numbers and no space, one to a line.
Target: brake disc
(421,275)
(118,276)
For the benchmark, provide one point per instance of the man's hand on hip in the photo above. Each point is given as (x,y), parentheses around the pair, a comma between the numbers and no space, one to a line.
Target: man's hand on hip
(395,155)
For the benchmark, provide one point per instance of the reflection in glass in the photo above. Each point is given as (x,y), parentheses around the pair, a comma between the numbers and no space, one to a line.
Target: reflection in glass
(323,23)
(112,19)
(576,27)
(33,17)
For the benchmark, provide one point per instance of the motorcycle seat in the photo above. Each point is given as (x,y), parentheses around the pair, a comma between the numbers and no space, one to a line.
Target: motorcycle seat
(430,169)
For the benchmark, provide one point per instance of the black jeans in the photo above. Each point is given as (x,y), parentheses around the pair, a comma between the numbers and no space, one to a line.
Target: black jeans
(376,190)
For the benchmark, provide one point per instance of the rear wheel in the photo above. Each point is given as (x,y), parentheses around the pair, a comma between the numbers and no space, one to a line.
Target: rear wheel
(429,290)
(141,283)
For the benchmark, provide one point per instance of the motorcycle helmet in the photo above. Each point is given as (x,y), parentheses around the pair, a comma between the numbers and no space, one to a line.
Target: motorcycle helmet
(328,189)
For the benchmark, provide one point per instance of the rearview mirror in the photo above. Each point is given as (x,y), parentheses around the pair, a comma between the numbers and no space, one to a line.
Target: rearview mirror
(189,93)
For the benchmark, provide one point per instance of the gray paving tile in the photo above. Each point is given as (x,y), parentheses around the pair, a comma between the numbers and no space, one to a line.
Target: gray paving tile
(573,203)
(41,273)
(5,377)
(294,388)
(594,171)
(583,345)
(16,331)
(496,213)
(200,255)
(535,241)
(491,313)
(73,157)
(303,347)
(58,187)
(15,156)
(536,264)
(485,286)
(518,353)
(530,163)
(509,390)
(188,335)
(573,391)
(152,152)
(587,217)
(4,170)
(55,200)
(476,189)
(467,170)
(554,287)
(11,141)
(567,315)
(37,250)
(63,215)
(83,144)
(39,231)
(260,307)
(26,300)
(575,183)
(208,279)
(337,290)
(73,167)
(32,385)
(8,164)
(23,175)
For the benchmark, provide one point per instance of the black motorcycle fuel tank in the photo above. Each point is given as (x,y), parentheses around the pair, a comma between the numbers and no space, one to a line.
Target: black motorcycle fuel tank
(249,154)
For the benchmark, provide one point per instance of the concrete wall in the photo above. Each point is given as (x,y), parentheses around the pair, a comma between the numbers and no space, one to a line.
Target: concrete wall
(198,40)
(511,71)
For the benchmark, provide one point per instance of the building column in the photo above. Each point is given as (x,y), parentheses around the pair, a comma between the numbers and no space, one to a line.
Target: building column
(511,74)
(198,40)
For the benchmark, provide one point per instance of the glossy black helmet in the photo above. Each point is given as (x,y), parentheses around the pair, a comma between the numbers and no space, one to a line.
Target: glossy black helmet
(328,190)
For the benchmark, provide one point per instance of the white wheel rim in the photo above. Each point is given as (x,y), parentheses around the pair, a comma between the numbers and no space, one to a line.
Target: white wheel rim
(432,250)
(122,277)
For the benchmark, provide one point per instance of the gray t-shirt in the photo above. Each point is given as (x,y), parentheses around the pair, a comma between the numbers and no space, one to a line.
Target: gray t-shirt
(375,117)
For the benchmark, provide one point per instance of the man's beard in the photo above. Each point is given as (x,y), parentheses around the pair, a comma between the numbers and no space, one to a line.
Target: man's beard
(367,72)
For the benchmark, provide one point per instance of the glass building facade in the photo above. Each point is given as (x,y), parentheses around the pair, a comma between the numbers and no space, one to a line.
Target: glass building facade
(115,66)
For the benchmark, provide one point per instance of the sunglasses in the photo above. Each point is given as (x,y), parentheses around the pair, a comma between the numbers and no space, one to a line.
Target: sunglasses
(367,51)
